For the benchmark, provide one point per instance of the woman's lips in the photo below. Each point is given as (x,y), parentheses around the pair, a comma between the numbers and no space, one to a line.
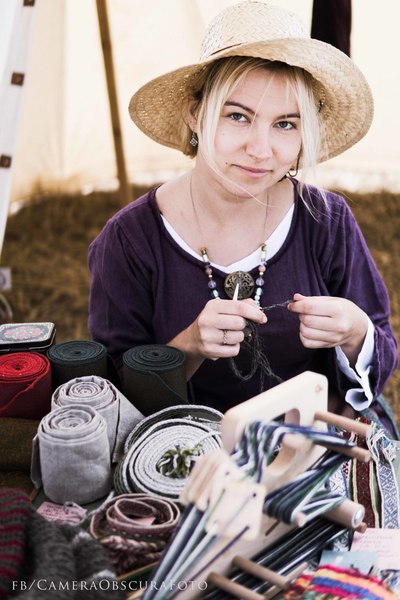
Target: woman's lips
(252,172)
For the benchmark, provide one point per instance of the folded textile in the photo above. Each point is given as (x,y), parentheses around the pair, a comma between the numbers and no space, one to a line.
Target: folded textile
(42,559)
(71,455)
(77,358)
(14,513)
(134,529)
(16,437)
(121,416)
(162,448)
(337,582)
(154,377)
(25,385)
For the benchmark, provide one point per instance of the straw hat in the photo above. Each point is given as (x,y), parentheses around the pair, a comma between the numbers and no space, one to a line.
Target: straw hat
(256,28)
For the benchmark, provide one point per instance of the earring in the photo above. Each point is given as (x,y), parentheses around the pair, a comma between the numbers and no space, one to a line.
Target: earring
(194,140)
(296,169)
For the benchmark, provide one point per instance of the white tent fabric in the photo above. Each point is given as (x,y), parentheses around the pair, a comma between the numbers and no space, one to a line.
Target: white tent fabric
(64,135)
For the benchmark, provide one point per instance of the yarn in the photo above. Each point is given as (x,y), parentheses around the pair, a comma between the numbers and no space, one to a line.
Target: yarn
(336,582)
(14,513)
(252,344)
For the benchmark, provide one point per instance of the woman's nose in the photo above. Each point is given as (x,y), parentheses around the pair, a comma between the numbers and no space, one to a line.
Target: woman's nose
(259,143)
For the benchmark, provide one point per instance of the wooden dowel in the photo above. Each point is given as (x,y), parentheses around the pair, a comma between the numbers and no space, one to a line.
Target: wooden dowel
(348,513)
(344,423)
(102,15)
(237,590)
(360,454)
(261,572)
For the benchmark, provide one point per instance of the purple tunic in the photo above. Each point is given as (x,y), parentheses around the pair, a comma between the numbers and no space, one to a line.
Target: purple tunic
(146,289)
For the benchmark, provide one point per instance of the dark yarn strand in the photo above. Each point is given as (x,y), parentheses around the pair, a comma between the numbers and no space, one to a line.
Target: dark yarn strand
(253,345)
(258,359)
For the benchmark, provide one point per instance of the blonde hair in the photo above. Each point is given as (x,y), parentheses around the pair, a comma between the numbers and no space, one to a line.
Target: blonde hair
(213,86)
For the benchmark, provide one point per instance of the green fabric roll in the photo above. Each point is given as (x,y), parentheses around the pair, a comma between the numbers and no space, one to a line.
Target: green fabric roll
(16,437)
(154,377)
(77,358)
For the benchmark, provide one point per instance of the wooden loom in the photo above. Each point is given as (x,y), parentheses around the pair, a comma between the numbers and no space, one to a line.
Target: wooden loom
(303,400)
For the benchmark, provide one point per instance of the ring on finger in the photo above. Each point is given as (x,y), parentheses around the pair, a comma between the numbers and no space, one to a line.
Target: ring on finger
(224,337)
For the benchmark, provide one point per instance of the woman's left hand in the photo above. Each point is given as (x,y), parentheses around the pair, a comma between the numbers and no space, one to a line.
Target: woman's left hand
(327,321)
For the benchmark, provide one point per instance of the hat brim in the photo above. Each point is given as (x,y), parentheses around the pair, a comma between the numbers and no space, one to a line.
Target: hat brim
(345,98)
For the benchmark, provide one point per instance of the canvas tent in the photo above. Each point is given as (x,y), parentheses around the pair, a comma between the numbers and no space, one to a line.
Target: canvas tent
(64,136)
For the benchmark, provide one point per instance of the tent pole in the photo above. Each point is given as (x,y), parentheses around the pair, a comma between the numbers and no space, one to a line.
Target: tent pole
(125,189)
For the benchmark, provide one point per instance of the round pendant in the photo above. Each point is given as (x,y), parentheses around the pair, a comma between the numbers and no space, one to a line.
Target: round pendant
(245,281)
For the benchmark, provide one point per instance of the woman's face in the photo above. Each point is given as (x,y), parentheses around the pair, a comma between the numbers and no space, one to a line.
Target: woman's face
(258,136)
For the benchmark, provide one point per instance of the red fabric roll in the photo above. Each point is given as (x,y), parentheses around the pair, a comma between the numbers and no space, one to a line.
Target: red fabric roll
(25,385)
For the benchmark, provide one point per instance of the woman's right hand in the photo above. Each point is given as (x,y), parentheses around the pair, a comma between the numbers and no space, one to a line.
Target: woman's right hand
(217,332)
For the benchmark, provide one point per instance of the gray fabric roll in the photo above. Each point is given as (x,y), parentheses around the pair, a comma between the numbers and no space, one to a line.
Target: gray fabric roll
(71,455)
(99,393)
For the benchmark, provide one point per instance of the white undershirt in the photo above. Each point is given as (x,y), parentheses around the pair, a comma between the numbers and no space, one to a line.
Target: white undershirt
(359,398)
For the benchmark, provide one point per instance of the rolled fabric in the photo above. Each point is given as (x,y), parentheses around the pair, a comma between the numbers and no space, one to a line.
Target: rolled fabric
(71,455)
(16,437)
(134,529)
(161,450)
(154,377)
(77,358)
(99,393)
(25,385)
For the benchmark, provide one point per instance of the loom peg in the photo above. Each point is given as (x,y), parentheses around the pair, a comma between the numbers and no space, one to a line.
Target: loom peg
(237,590)
(265,574)
(348,513)
(344,423)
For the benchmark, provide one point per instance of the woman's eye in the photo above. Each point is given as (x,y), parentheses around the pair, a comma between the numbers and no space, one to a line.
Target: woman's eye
(285,125)
(237,117)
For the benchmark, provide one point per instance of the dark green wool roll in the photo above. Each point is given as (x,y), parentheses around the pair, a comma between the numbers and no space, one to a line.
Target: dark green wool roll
(154,377)
(77,358)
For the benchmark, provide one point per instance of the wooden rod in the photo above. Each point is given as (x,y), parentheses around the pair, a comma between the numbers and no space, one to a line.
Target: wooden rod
(344,423)
(261,572)
(237,590)
(124,187)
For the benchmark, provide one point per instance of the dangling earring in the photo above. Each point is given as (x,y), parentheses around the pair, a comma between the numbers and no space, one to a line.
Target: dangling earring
(194,140)
(296,169)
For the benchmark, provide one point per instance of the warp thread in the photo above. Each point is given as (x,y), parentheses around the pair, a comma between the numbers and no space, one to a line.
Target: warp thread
(254,451)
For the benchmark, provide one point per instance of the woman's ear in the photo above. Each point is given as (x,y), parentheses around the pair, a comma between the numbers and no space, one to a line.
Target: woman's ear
(191,114)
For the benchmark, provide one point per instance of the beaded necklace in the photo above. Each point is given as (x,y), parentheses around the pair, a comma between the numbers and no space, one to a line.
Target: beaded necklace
(242,279)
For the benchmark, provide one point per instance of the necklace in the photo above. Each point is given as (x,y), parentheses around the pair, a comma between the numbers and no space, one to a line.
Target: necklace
(242,279)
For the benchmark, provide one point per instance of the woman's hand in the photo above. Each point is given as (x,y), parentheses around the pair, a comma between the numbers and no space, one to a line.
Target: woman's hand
(326,322)
(217,332)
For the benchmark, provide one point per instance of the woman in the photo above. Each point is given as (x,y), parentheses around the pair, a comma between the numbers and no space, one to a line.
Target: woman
(191,263)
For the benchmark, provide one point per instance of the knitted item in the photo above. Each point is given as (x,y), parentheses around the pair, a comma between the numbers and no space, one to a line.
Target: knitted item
(335,582)
(14,514)
(62,561)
